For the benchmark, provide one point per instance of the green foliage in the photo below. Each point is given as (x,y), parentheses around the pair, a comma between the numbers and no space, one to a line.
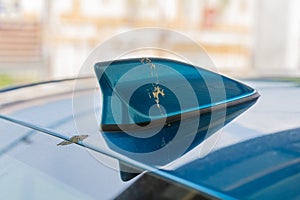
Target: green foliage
(6,80)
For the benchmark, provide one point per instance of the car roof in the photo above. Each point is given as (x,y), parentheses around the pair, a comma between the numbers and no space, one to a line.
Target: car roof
(52,108)
(266,167)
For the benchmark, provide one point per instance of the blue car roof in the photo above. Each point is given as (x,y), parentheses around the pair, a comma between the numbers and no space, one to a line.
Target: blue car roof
(264,167)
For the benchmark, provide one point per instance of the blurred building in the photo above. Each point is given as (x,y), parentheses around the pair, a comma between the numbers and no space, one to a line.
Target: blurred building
(52,38)
(276,49)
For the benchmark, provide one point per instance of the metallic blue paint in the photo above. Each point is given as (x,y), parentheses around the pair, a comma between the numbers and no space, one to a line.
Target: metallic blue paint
(211,89)
(261,168)
(218,100)
(267,167)
(131,162)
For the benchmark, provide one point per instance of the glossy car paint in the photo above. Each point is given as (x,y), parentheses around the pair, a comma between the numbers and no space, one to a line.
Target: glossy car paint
(70,172)
(117,78)
(269,167)
(218,100)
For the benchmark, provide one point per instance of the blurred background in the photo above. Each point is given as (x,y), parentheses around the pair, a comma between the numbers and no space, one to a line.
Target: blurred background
(50,39)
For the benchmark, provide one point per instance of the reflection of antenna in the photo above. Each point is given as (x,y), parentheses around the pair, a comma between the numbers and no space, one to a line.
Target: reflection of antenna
(125,160)
(196,103)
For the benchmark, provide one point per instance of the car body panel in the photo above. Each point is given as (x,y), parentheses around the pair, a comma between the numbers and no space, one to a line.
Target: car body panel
(83,175)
